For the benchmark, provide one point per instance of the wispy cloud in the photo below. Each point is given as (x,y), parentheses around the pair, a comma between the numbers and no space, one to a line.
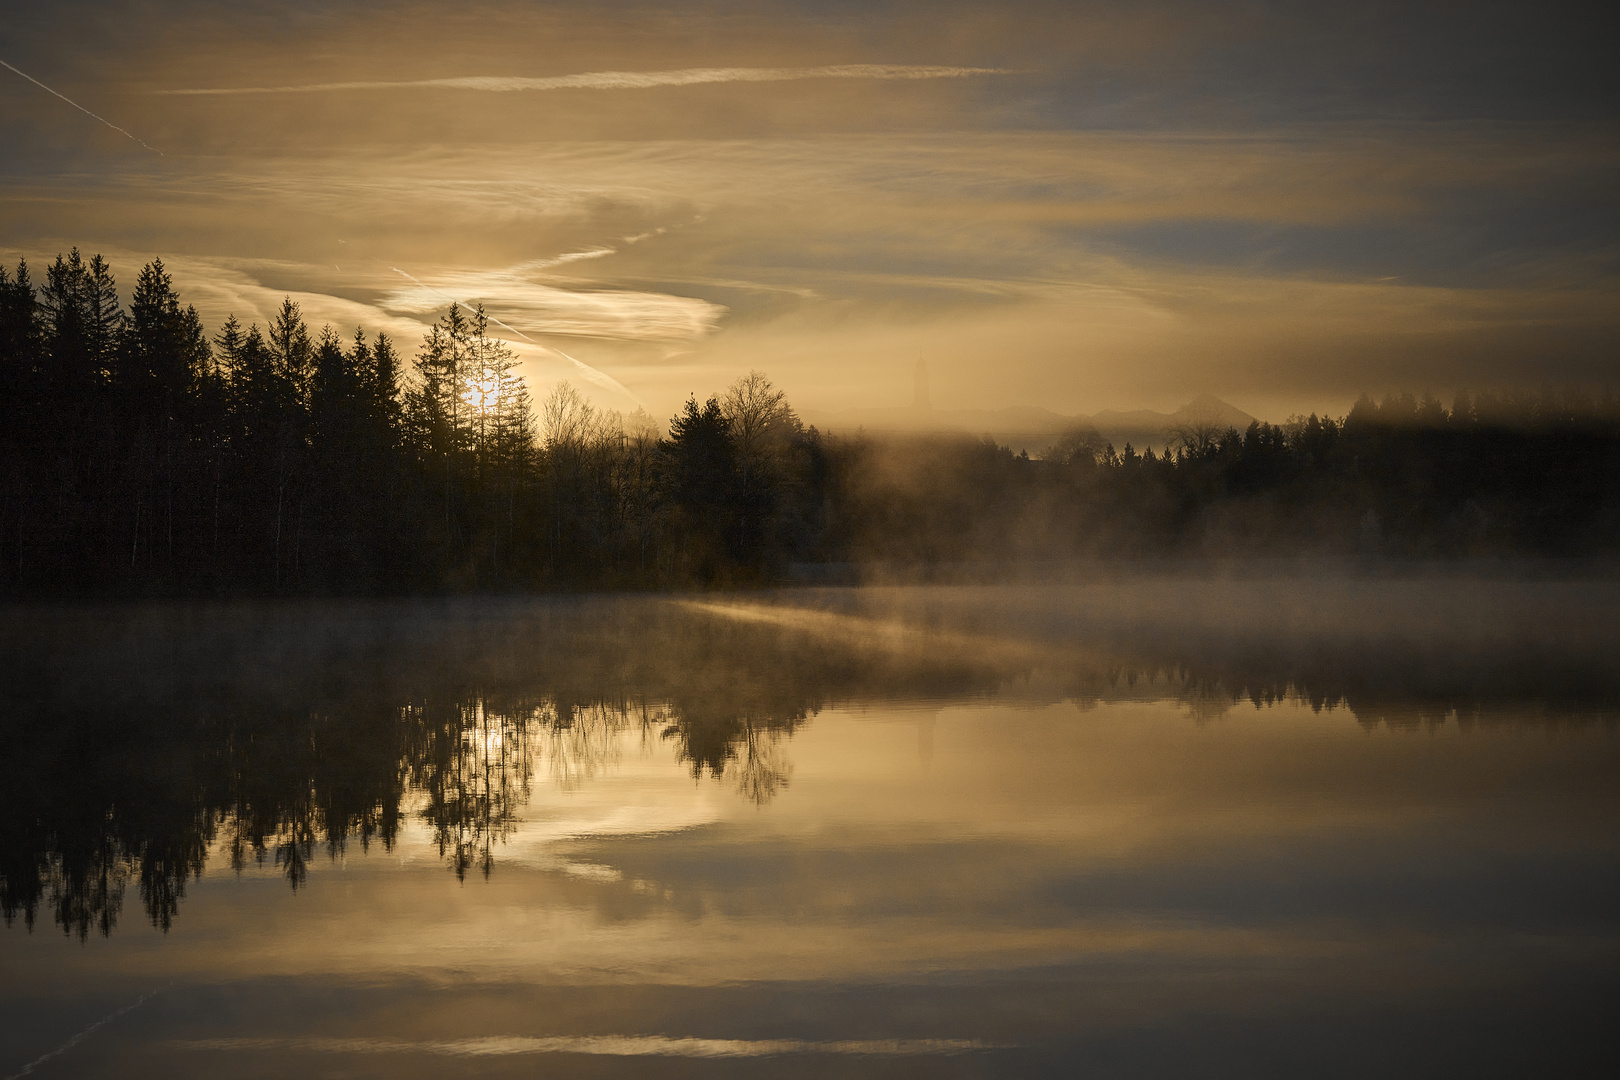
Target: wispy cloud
(221,287)
(1080,268)
(543,309)
(619,80)
(533,307)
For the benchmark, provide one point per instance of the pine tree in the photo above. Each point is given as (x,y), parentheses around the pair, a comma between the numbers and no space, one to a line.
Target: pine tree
(387,408)
(500,420)
(83,321)
(291,347)
(501,433)
(163,352)
(433,405)
(21,338)
(435,416)
(699,483)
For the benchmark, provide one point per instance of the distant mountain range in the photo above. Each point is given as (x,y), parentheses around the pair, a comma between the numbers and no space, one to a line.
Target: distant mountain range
(1026,426)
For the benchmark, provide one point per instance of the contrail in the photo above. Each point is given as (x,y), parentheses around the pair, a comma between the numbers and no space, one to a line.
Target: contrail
(600,377)
(624,80)
(76,105)
(74,1041)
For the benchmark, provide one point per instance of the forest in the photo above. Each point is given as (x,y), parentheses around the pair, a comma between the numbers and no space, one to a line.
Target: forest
(141,455)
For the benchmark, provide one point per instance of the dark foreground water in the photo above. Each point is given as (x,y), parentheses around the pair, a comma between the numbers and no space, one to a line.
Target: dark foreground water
(1139,828)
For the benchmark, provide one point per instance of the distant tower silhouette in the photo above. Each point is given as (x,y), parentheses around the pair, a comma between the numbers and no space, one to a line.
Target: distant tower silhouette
(919,399)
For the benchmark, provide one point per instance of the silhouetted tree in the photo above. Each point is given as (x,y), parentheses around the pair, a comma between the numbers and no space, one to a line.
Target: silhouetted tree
(700,483)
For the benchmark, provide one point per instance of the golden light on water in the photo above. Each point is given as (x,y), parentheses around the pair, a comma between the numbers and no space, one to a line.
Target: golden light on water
(710,827)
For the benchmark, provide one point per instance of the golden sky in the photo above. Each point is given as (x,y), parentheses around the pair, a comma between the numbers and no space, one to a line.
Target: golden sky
(1079,206)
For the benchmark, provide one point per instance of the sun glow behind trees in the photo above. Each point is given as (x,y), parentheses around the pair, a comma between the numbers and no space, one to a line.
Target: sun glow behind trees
(469,397)
(137,456)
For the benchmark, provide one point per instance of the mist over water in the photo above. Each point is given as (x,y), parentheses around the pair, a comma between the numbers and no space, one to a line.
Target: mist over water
(1142,824)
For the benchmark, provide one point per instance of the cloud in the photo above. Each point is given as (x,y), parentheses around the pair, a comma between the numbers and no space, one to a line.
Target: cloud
(532,307)
(222,286)
(1286,268)
(617,80)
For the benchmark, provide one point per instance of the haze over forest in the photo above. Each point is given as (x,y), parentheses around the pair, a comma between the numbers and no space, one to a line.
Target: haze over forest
(142,456)
(1072,207)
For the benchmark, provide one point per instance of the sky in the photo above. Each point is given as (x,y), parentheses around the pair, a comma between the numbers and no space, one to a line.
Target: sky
(1077,206)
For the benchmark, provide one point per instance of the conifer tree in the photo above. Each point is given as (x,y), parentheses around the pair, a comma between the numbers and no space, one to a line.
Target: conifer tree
(21,339)
(291,347)
(83,321)
(700,483)
(387,408)
(163,352)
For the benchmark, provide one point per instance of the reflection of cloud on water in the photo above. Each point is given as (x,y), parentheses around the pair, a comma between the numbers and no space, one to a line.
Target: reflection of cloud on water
(536,844)
(603,80)
(601,1045)
(566,746)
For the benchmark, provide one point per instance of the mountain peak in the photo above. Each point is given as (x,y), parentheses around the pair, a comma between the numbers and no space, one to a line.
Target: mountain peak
(1206,408)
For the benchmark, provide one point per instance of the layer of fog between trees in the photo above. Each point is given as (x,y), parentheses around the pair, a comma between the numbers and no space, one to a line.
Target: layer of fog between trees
(141,455)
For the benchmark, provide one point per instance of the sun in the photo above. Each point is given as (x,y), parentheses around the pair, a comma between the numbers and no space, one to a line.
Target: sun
(483,394)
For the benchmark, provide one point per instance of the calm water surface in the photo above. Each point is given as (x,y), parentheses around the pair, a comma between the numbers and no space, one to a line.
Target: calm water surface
(1138,828)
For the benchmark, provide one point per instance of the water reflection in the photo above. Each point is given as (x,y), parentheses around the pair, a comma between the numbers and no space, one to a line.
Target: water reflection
(141,739)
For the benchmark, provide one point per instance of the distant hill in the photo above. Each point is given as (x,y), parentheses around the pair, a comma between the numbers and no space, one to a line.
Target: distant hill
(1030,427)
(1144,428)
(1019,418)
(1204,409)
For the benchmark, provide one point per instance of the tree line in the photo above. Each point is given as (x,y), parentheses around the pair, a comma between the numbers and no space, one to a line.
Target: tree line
(1495,475)
(141,456)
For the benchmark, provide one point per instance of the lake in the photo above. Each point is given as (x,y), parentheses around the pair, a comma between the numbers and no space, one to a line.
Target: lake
(1159,825)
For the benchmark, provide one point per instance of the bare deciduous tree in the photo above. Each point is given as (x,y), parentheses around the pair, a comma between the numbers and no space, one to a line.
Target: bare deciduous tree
(1197,437)
(565,418)
(1076,444)
(761,421)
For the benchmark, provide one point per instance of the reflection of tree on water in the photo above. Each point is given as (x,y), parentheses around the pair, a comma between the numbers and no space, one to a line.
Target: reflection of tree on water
(474,773)
(764,769)
(135,762)
(293,782)
(90,892)
(749,745)
(1400,694)
(582,741)
(714,734)
(273,788)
